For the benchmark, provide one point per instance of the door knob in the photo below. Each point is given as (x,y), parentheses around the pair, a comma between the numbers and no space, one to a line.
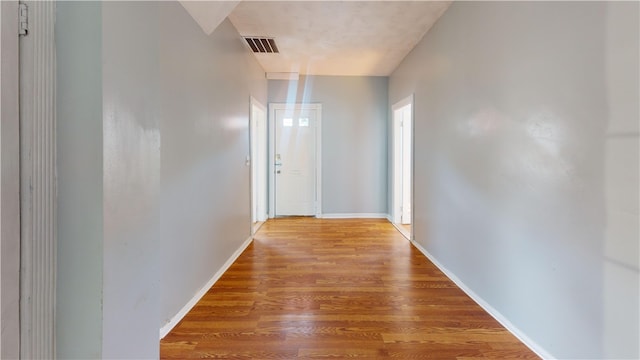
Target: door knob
(277,171)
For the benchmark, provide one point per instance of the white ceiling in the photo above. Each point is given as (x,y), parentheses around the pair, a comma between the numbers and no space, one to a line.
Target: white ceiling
(209,14)
(365,38)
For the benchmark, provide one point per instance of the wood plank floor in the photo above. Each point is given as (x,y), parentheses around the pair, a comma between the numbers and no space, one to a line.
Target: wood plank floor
(314,288)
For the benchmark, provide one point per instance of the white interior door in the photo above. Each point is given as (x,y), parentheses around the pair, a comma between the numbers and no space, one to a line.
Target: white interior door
(397,166)
(258,162)
(406,164)
(403,162)
(295,161)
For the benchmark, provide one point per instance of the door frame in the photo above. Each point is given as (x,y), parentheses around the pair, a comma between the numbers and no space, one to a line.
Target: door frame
(38,198)
(397,169)
(258,180)
(272,149)
(10,182)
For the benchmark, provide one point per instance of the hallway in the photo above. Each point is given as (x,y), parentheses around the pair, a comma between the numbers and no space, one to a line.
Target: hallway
(127,169)
(314,288)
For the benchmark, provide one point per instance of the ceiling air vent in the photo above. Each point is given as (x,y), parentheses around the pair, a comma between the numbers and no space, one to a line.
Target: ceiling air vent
(262,44)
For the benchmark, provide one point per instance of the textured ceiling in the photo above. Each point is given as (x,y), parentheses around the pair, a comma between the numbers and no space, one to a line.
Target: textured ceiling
(337,37)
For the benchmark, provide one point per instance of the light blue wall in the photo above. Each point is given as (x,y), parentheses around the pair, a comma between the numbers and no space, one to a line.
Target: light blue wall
(80,179)
(154,190)
(131,160)
(206,84)
(526,165)
(354,138)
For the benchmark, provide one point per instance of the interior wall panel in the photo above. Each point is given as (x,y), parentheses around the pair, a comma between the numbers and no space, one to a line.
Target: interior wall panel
(526,165)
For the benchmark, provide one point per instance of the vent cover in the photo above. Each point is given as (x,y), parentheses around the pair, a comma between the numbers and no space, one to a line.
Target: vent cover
(262,44)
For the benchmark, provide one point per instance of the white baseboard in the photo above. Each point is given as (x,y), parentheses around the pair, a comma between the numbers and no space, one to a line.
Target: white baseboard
(256,226)
(535,347)
(164,330)
(401,230)
(354,216)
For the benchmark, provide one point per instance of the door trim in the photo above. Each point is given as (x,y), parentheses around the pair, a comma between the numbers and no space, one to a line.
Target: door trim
(272,146)
(38,184)
(10,183)
(259,218)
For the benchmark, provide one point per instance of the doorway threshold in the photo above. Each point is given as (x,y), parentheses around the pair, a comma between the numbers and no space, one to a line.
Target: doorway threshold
(403,230)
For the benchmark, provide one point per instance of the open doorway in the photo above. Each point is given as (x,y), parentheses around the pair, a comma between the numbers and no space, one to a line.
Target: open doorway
(258,144)
(402,211)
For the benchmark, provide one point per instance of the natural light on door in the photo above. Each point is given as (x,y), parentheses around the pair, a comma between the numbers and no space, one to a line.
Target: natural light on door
(403,165)
(258,138)
(295,160)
